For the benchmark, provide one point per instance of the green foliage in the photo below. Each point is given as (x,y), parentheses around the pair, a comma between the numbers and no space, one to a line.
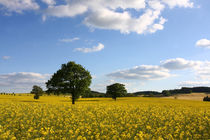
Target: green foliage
(71,79)
(166,93)
(37,91)
(116,90)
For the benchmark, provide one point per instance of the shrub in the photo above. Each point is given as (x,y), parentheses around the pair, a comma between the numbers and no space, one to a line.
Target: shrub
(206,98)
(36,96)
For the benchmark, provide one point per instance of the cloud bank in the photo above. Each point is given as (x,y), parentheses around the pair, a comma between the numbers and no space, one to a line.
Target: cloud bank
(143,72)
(117,15)
(23,80)
(201,69)
(139,16)
(19,6)
(194,83)
(49,2)
(179,64)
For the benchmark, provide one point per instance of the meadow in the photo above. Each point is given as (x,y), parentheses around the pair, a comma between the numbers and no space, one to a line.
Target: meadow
(52,117)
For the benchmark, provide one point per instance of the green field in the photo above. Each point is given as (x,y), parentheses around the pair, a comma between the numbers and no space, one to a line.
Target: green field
(52,117)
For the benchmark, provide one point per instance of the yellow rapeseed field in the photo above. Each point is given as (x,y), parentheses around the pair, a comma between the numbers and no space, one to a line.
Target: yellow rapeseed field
(51,117)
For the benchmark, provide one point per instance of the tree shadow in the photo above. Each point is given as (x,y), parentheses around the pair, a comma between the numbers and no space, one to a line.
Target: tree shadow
(29,101)
(65,101)
(93,100)
(6,98)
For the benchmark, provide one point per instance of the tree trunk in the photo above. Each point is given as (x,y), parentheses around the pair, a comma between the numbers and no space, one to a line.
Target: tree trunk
(73,99)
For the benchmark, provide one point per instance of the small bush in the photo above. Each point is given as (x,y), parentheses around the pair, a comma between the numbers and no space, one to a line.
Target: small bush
(206,98)
(36,96)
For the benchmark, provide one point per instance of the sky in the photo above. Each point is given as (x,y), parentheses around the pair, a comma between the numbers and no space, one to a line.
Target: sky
(143,44)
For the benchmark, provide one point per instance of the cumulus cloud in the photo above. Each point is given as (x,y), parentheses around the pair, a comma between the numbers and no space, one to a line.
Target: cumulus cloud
(49,2)
(117,14)
(201,69)
(194,83)
(179,63)
(179,3)
(6,57)
(205,43)
(69,10)
(23,80)
(139,16)
(18,5)
(67,40)
(101,86)
(93,49)
(142,72)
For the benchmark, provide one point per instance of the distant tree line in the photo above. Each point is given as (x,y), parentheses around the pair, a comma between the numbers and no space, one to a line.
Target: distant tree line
(183,90)
(186,90)
(147,93)
(3,93)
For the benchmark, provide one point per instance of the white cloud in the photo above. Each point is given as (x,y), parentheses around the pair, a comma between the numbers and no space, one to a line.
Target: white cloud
(93,49)
(194,83)
(123,4)
(179,3)
(179,63)
(49,2)
(139,16)
(101,86)
(142,72)
(117,15)
(107,19)
(200,68)
(23,80)
(19,5)
(205,43)
(6,57)
(69,10)
(66,40)
(203,71)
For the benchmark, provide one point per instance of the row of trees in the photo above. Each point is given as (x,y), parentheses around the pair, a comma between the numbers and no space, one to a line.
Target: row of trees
(74,79)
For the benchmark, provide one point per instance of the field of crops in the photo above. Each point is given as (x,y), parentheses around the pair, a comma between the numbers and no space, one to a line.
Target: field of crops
(51,117)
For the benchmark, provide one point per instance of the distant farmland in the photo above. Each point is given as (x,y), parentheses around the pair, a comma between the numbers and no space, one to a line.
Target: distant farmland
(192,96)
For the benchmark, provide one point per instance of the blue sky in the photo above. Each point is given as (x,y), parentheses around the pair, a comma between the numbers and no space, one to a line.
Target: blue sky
(144,44)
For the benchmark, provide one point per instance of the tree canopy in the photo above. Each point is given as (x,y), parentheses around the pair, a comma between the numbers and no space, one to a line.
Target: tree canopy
(116,90)
(71,79)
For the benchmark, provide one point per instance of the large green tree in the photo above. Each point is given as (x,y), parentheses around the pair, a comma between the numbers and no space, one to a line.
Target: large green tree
(71,79)
(116,90)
